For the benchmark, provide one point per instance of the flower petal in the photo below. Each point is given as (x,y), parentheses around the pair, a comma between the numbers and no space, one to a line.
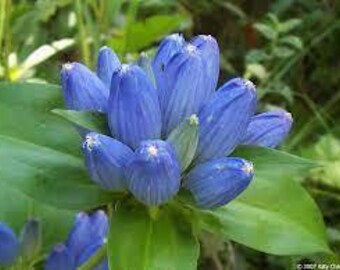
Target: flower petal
(60,258)
(134,112)
(217,182)
(82,89)
(107,64)
(268,129)
(208,47)
(104,159)
(9,246)
(153,174)
(224,119)
(184,89)
(171,45)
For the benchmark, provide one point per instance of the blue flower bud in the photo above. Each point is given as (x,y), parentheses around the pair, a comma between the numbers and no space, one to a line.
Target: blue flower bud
(107,64)
(208,47)
(9,246)
(60,258)
(224,119)
(268,129)
(100,222)
(89,252)
(217,182)
(134,111)
(30,239)
(171,45)
(83,91)
(184,89)
(104,159)
(153,174)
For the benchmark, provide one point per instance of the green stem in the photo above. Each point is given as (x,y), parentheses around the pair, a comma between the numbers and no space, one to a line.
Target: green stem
(82,34)
(96,259)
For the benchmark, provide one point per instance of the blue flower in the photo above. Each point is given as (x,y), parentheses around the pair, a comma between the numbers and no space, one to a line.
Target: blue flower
(86,237)
(168,122)
(82,89)
(268,129)
(107,64)
(134,111)
(105,158)
(153,174)
(9,246)
(216,182)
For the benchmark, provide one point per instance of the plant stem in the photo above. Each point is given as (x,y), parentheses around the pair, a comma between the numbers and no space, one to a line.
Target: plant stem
(82,34)
(96,259)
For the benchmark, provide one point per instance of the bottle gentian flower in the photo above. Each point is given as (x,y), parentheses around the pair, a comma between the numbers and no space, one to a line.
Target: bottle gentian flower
(170,128)
(9,246)
(86,237)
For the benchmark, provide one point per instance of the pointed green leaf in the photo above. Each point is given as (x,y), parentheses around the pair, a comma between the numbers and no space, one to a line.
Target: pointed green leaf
(93,121)
(138,242)
(184,140)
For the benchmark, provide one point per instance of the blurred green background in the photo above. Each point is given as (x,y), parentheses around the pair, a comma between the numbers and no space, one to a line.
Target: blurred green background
(289,48)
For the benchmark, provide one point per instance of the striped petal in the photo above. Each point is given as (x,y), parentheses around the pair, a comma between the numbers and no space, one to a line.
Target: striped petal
(60,258)
(208,47)
(107,64)
(134,112)
(184,89)
(153,174)
(224,119)
(9,246)
(82,89)
(268,129)
(145,62)
(217,182)
(104,159)
(171,45)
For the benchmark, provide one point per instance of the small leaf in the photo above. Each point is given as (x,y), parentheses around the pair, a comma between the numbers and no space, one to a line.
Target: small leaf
(266,31)
(93,121)
(283,52)
(293,41)
(137,241)
(257,70)
(255,56)
(184,140)
(289,25)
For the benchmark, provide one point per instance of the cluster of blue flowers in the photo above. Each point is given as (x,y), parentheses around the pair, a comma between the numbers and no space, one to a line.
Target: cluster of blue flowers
(146,103)
(87,236)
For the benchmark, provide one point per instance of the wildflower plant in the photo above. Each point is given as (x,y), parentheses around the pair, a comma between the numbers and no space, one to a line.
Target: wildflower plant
(168,154)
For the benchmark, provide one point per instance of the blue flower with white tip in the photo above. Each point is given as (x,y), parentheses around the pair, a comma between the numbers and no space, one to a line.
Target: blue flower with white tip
(170,127)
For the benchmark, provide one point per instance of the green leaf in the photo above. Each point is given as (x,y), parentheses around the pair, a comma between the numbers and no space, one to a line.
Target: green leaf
(283,52)
(93,121)
(42,172)
(138,242)
(275,214)
(142,34)
(184,140)
(289,25)
(272,163)
(293,41)
(266,31)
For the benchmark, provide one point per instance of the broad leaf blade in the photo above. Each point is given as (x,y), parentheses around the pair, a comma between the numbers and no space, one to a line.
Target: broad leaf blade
(138,242)
(41,172)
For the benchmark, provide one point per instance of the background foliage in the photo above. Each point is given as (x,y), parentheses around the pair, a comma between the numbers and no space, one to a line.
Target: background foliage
(289,48)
